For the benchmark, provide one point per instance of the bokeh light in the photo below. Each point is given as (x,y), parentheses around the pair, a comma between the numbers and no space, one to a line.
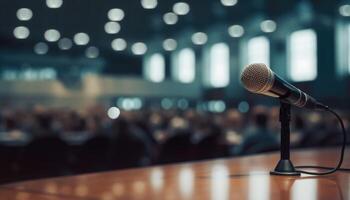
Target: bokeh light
(81,39)
(52,35)
(92,52)
(149,4)
(24,14)
(41,48)
(268,26)
(65,44)
(113,112)
(116,14)
(169,44)
(112,27)
(236,31)
(139,48)
(170,18)
(119,44)
(54,3)
(21,32)
(181,8)
(199,38)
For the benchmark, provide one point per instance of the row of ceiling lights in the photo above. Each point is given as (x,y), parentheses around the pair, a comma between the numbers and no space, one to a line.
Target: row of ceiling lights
(178,9)
(140,48)
(116,15)
(181,6)
(170,18)
(137,48)
(53,35)
(200,38)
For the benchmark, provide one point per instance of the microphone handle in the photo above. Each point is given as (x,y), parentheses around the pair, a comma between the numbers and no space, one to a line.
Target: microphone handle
(288,93)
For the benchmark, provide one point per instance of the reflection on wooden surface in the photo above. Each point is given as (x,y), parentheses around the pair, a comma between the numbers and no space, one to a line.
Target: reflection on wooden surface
(236,178)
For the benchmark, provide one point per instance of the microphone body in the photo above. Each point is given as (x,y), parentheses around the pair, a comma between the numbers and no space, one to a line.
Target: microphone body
(258,78)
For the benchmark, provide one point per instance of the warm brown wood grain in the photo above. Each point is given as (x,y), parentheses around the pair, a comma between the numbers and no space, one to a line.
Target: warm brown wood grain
(236,178)
(14,194)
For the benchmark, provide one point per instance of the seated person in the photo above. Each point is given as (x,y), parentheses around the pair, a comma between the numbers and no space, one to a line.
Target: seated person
(258,138)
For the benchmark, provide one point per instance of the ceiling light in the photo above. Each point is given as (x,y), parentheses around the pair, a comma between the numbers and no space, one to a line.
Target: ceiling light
(52,35)
(112,27)
(170,18)
(181,8)
(21,32)
(229,2)
(236,31)
(118,44)
(92,52)
(169,44)
(65,44)
(139,48)
(149,4)
(116,14)
(199,38)
(54,3)
(113,112)
(344,10)
(41,48)
(24,14)
(268,26)
(81,39)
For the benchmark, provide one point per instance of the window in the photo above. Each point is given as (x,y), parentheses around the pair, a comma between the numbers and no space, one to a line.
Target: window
(155,68)
(343,49)
(302,58)
(219,65)
(184,66)
(259,50)
(348,48)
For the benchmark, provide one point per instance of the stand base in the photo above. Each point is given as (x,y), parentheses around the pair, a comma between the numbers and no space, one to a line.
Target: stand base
(285,168)
(284,173)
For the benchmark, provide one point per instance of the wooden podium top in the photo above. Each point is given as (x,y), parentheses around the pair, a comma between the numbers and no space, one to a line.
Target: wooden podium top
(236,178)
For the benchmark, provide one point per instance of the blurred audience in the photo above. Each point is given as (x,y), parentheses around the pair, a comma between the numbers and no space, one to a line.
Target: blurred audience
(257,137)
(93,141)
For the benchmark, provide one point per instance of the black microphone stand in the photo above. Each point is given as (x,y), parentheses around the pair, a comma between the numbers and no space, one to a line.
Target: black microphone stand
(285,165)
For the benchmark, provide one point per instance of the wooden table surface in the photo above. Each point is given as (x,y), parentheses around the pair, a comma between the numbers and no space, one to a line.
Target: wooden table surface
(236,178)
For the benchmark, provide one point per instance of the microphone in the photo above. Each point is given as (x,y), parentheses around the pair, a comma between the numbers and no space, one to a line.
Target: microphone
(260,79)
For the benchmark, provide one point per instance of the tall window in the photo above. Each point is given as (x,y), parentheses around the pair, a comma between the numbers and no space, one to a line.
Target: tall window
(259,50)
(219,65)
(154,69)
(343,49)
(184,66)
(348,47)
(302,63)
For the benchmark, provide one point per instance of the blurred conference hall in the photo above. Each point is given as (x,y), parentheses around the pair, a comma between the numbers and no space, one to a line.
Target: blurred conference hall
(143,99)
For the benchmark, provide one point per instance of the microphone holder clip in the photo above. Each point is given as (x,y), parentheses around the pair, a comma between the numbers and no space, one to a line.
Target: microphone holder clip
(285,166)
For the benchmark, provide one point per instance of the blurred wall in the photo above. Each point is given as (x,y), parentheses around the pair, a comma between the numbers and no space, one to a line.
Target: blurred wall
(92,89)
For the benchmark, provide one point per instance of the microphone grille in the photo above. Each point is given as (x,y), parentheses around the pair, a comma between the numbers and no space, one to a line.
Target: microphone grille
(257,78)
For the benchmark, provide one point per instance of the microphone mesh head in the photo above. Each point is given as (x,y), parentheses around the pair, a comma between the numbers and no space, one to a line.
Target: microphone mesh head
(257,78)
